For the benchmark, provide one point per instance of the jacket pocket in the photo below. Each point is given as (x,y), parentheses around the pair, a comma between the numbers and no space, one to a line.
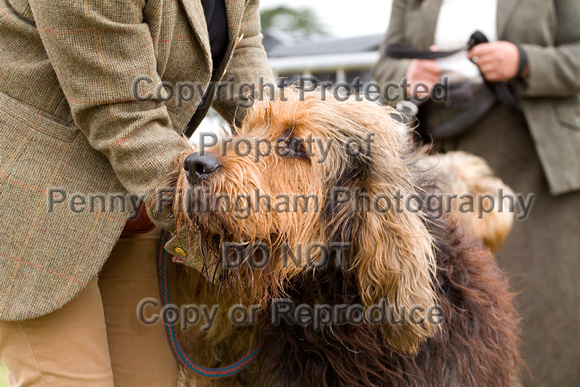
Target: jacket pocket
(568,113)
(15,114)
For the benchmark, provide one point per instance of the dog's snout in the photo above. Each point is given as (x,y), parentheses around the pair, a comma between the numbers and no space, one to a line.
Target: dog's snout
(199,166)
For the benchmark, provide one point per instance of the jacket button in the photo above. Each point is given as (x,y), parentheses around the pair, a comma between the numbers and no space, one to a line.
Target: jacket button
(179,251)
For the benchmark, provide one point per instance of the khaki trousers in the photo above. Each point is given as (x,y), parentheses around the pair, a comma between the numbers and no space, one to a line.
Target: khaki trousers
(97,338)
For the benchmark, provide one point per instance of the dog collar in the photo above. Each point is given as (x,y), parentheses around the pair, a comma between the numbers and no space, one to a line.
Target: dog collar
(178,351)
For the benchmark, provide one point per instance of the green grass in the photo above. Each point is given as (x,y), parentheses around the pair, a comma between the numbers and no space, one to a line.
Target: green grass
(3,376)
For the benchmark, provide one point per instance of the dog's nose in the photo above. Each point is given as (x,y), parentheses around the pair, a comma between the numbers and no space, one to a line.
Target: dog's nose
(198,167)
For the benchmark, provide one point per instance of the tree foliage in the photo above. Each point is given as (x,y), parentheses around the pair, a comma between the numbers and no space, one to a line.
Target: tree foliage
(292,20)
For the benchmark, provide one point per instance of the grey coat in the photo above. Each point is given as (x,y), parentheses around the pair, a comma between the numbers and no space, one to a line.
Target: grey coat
(549,32)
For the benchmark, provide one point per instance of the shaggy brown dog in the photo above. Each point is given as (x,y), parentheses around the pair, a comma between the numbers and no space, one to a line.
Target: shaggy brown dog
(462,173)
(407,259)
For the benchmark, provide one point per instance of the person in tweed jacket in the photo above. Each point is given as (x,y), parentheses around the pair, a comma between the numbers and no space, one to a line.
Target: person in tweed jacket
(87,116)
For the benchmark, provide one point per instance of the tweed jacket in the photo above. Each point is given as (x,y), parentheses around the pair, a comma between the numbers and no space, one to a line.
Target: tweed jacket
(78,132)
(549,33)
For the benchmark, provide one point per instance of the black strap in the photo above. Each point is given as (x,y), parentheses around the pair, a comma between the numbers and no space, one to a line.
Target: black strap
(403,51)
(500,89)
(476,38)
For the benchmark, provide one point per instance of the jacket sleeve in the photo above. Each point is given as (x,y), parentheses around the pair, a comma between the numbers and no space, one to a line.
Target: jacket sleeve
(98,49)
(555,71)
(389,69)
(249,65)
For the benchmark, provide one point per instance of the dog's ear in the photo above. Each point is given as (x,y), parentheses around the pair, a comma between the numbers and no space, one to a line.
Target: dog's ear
(394,269)
(393,254)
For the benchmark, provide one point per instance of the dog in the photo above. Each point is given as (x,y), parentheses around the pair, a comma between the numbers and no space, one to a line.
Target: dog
(461,173)
(406,260)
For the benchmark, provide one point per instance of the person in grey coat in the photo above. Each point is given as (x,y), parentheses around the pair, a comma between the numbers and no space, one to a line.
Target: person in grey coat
(535,48)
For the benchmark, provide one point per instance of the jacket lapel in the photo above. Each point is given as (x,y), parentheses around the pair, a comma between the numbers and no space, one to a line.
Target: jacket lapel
(196,16)
(505,8)
(235,11)
(430,12)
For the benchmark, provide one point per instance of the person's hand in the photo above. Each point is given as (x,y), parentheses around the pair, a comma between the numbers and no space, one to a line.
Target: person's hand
(422,71)
(498,61)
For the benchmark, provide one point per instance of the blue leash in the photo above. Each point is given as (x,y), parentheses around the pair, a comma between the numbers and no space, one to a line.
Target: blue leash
(180,354)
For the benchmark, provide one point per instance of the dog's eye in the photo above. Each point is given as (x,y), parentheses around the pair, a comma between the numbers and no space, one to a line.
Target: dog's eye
(296,147)
(291,147)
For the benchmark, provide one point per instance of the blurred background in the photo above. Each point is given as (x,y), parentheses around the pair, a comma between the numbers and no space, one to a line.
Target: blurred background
(363,17)
(318,38)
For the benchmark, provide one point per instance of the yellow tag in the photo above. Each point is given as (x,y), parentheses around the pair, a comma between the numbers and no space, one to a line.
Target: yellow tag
(179,251)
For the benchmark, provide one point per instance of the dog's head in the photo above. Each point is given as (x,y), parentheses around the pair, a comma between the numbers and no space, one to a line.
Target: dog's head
(300,175)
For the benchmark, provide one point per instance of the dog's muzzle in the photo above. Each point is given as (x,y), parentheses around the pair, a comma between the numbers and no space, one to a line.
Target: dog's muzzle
(198,167)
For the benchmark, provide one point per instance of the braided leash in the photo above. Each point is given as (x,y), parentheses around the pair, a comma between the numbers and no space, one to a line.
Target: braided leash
(180,354)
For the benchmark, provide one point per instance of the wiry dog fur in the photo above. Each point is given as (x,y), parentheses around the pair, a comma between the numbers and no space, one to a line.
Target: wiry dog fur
(405,258)
(462,173)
